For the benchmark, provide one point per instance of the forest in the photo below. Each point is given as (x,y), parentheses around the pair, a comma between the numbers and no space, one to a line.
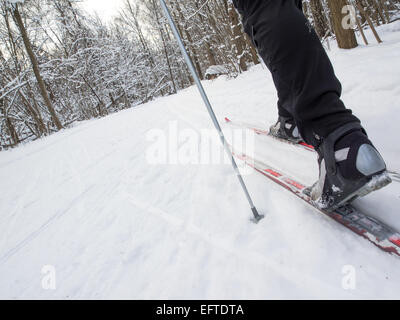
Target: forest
(60,64)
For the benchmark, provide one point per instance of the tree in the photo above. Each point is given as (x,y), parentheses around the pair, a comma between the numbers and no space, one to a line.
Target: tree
(320,23)
(238,37)
(35,66)
(345,36)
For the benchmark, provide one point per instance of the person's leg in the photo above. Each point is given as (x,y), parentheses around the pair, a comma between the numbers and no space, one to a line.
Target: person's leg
(299,4)
(286,127)
(349,164)
(284,97)
(292,50)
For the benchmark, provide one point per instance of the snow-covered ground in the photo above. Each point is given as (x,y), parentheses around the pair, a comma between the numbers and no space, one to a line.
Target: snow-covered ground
(86,206)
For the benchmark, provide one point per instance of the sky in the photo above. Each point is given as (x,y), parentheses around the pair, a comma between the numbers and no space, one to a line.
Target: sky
(104,8)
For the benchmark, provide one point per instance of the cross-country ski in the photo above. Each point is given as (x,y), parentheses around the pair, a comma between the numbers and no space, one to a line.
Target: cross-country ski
(262,131)
(370,228)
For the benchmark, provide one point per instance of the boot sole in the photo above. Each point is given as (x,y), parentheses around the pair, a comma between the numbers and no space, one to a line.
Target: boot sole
(377,182)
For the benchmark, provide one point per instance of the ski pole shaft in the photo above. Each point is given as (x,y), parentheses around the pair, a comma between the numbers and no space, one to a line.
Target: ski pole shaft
(257,216)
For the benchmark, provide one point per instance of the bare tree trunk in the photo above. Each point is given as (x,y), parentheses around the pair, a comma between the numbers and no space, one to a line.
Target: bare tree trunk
(365,15)
(386,10)
(101,106)
(361,30)
(210,55)
(371,7)
(31,110)
(164,45)
(35,67)
(253,51)
(41,128)
(140,33)
(319,19)
(10,126)
(379,8)
(190,47)
(238,37)
(12,42)
(345,37)
(209,52)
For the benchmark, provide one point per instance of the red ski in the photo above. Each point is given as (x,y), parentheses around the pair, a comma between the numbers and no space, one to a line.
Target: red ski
(393,174)
(377,232)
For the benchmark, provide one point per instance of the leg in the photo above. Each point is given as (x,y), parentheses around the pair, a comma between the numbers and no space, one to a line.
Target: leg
(285,128)
(284,94)
(308,89)
(292,50)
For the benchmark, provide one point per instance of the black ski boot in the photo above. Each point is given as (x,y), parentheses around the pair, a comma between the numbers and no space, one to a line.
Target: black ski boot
(349,167)
(285,129)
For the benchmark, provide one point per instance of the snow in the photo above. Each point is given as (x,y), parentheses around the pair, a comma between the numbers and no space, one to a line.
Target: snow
(15,1)
(86,203)
(216,70)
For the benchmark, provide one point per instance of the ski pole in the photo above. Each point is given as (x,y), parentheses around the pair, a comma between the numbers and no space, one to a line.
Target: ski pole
(257,216)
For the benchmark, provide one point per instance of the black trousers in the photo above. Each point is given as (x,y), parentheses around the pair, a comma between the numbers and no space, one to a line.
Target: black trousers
(307,87)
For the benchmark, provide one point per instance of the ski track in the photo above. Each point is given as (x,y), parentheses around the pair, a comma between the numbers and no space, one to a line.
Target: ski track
(86,201)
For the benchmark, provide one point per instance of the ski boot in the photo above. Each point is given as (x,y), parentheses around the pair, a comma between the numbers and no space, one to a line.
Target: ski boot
(286,129)
(349,167)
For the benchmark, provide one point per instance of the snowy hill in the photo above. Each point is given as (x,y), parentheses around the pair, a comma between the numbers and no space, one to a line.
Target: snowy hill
(87,202)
